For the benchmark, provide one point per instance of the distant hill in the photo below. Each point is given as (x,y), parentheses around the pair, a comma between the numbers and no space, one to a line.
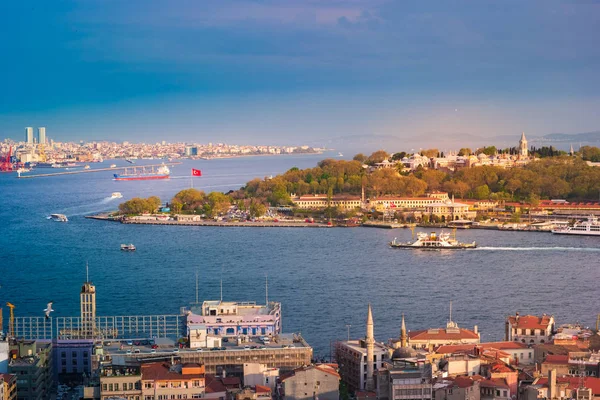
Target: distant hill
(443,142)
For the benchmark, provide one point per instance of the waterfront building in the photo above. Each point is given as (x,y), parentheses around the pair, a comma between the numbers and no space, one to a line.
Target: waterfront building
(451,334)
(42,135)
(32,363)
(232,319)
(404,380)
(191,151)
(320,201)
(312,382)
(450,210)
(164,380)
(29,135)
(8,387)
(529,329)
(359,359)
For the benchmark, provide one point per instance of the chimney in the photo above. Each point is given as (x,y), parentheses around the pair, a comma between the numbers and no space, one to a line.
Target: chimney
(476,329)
(552,384)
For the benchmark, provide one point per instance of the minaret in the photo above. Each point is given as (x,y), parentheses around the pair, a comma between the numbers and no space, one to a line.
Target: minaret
(571,151)
(370,341)
(88,307)
(523,146)
(403,336)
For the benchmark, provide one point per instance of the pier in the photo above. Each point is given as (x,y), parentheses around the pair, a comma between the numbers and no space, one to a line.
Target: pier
(84,171)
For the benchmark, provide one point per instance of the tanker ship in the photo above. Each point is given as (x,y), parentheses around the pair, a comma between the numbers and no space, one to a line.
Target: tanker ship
(142,174)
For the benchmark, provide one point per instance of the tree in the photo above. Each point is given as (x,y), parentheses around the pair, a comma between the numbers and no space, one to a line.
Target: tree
(257,209)
(217,203)
(430,153)
(154,203)
(465,151)
(191,199)
(360,157)
(482,192)
(398,156)
(377,157)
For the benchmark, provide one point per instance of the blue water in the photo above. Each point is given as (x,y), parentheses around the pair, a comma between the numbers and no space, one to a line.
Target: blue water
(323,277)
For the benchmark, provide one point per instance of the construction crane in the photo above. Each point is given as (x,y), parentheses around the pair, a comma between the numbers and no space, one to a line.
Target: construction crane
(6,164)
(11,321)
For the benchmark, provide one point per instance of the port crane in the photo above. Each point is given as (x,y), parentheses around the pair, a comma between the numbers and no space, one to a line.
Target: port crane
(11,321)
(6,164)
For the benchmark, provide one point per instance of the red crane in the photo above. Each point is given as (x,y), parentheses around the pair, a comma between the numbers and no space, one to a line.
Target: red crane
(6,164)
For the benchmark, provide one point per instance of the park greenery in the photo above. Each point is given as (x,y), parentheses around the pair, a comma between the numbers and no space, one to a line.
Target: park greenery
(553,175)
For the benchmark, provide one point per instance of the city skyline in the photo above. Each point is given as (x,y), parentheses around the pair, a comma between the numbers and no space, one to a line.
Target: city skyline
(320,70)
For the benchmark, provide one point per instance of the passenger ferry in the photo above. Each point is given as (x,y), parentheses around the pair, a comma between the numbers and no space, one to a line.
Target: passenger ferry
(433,241)
(128,247)
(58,217)
(591,227)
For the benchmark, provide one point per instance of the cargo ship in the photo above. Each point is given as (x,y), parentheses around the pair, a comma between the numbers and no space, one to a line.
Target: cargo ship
(142,174)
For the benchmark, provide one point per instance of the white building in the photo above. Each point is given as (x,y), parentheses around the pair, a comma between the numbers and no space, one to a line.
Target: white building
(29,135)
(529,329)
(42,135)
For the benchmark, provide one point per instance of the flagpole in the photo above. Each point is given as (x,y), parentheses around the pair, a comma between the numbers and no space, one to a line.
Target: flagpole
(192,178)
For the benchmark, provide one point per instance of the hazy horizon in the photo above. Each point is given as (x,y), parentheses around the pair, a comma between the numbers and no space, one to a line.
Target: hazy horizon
(299,72)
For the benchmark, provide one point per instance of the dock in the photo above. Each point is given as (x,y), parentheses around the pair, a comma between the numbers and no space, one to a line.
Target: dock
(87,171)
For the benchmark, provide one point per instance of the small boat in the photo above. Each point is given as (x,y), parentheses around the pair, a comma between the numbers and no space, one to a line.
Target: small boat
(86,167)
(113,165)
(340,155)
(433,241)
(130,161)
(116,195)
(58,217)
(128,247)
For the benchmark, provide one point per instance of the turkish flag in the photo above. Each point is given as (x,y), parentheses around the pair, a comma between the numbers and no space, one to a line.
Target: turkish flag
(196,172)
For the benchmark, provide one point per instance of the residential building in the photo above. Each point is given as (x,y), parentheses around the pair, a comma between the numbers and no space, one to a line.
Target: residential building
(8,387)
(72,359)
(404,380)
(359,359)
(451,334)
(256,374)
(160,380)
(563,387)
(32,363)
(458,388)
(519,353)
(320,201)
(529,329)
(257,392)
(120,382)
(312,382)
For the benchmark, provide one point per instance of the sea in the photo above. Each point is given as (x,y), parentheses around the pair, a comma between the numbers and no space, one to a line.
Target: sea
(324,278)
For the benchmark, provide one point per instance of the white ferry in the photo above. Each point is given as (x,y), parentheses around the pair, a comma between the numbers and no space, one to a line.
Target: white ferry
(591,227)
(116,195)
(433,241)
(128,247)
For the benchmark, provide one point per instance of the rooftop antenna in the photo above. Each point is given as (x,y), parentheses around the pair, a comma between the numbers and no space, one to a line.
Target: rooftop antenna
(450,310)
(221,284)
(87,272)
(267,290)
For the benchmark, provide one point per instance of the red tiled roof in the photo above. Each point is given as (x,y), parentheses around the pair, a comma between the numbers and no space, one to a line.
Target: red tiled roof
(231,381)
(464,381)
(556,359)
(529,322)
(159,371)
(262,389)
(573,382)
(453,348)
(442,334)
(214,385)
(501,368)
(494,383)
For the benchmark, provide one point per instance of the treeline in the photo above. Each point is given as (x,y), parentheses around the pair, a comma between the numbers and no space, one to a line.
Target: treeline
(552,177)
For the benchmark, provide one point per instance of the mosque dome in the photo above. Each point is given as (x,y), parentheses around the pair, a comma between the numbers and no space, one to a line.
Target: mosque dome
(404,352)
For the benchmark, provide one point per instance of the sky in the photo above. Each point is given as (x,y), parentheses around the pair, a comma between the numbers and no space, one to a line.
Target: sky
(298,71)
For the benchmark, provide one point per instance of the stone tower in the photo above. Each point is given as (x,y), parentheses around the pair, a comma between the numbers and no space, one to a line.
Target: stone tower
(523,151)
(370,342)
(403,336)
(88,308)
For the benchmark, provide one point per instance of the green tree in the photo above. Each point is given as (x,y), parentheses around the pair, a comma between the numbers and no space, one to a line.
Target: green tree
(377,157)
(482,192)
(465,151)
(257,209)
(360,157)
(217,203)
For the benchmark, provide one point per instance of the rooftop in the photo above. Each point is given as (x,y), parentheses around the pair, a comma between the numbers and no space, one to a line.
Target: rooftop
(162,371)
(529,321)
(443,334)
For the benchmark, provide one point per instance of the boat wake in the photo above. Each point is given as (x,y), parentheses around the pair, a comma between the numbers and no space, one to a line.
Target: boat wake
(592,249)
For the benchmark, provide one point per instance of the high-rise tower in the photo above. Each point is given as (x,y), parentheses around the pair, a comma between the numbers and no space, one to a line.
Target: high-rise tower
(29,135)
(42,135)
(370,342)
(88,308)
(523,151)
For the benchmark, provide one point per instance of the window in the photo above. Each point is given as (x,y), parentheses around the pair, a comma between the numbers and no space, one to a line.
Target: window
(104,387)
(110,387)
(63,354)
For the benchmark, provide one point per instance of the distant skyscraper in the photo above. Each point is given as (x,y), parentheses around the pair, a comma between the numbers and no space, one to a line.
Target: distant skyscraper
(42,135)
(29,135)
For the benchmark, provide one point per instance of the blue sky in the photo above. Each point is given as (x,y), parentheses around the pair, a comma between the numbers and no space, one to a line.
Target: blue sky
(293,71)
